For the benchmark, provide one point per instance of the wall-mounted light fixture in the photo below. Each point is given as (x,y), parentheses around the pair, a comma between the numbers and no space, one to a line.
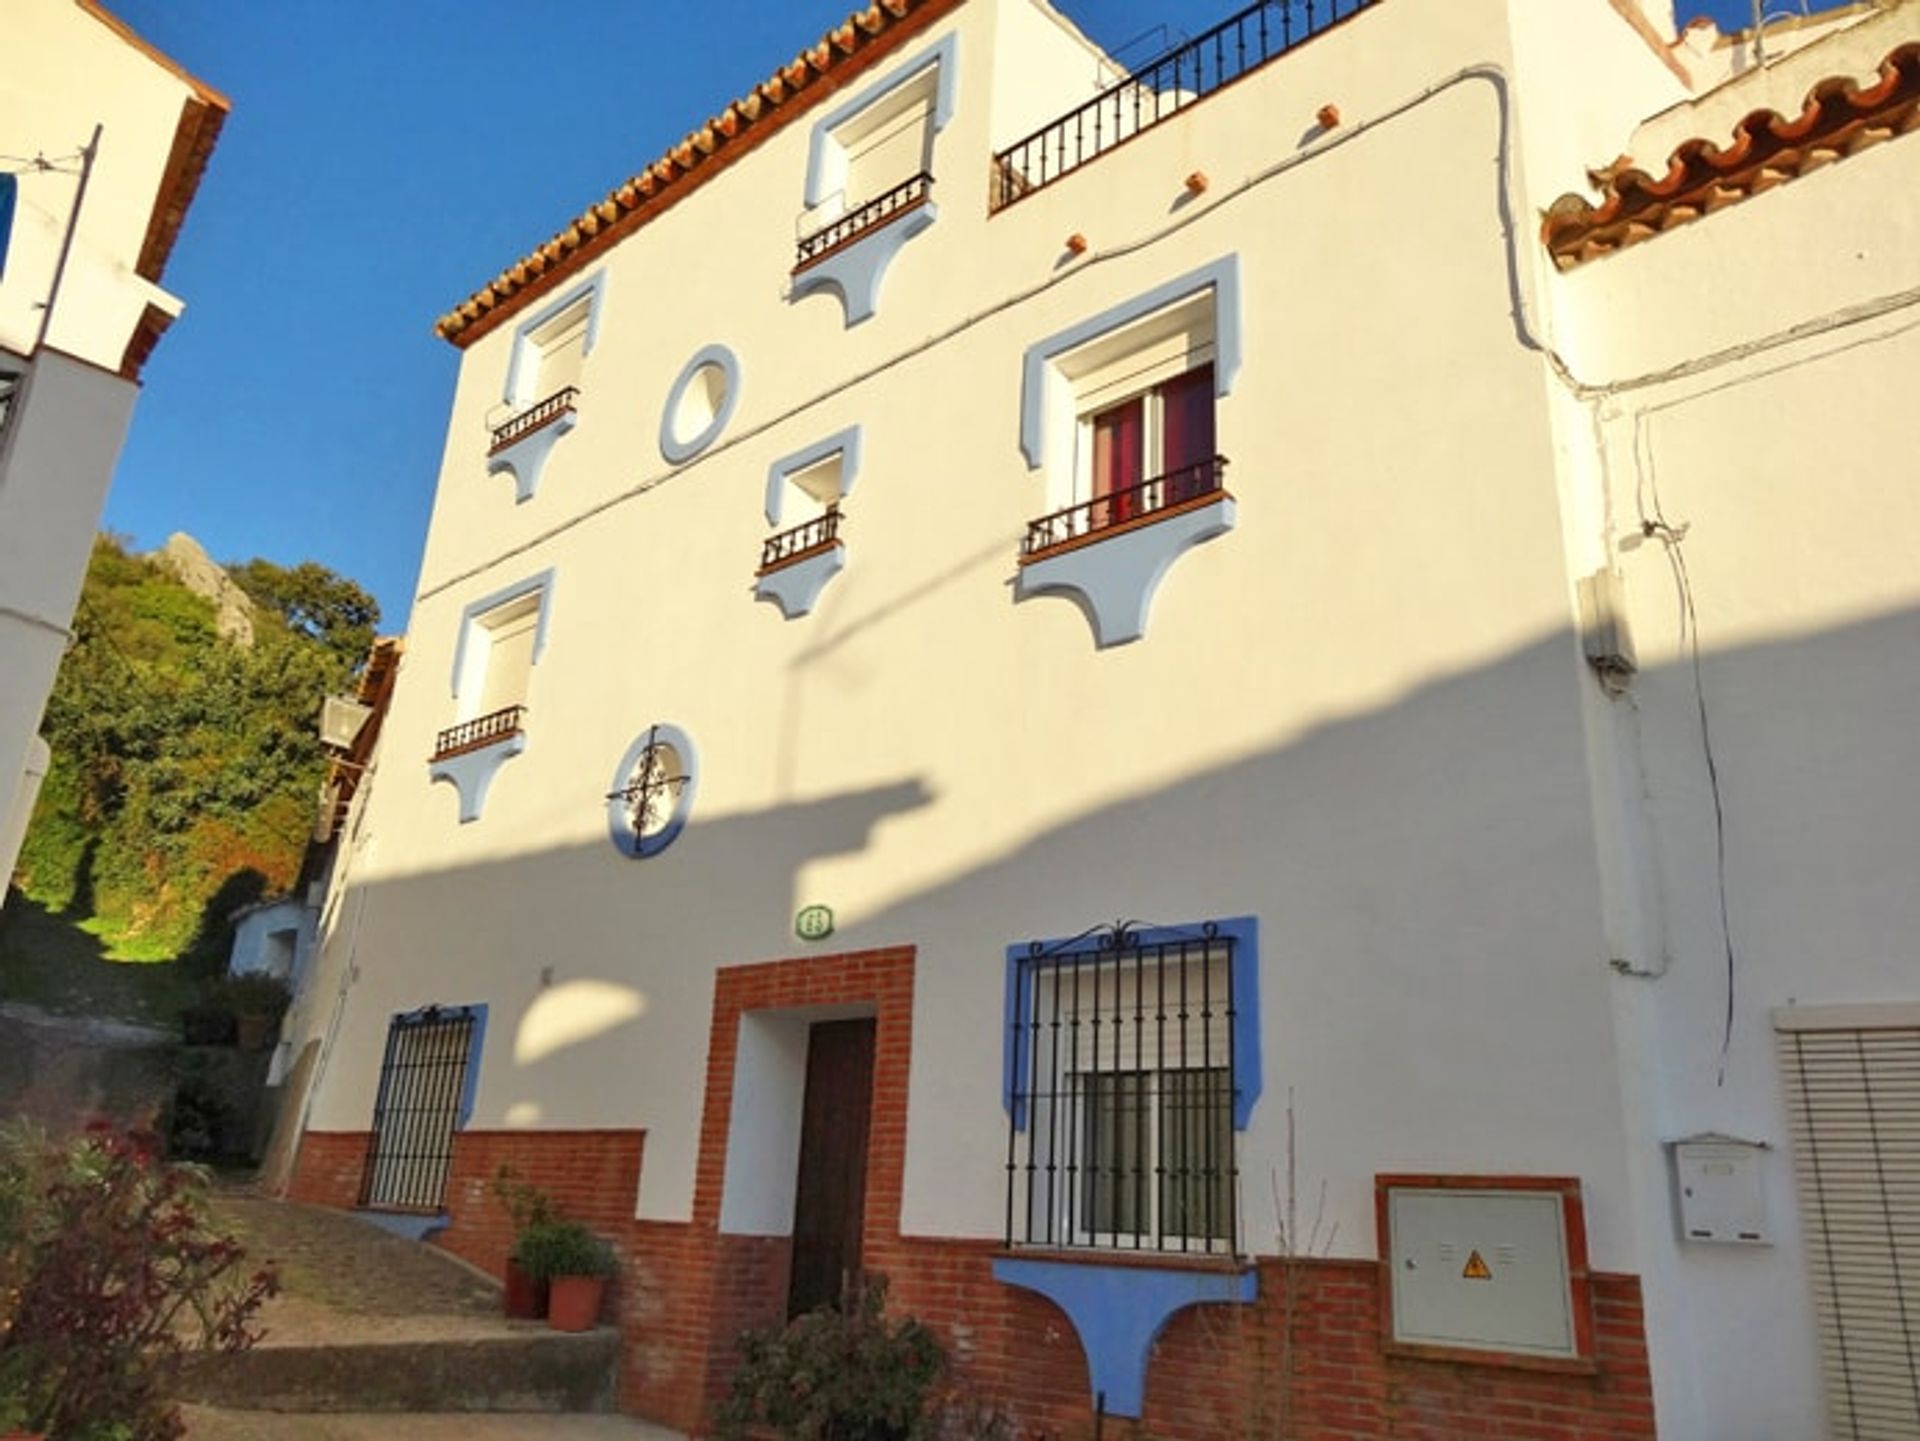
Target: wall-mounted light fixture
(1328,115)
(341,721)
(1197,183)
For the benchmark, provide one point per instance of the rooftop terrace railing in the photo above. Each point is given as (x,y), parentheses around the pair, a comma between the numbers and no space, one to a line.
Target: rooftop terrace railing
(1160,89)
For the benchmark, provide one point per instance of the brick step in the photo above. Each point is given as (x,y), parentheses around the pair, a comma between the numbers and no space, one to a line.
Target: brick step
(534,1370)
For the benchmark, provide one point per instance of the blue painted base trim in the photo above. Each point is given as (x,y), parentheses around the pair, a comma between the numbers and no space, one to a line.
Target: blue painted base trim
(854,273)
(1118,1312)
(407,1225)
(795,588)
(1113,580)
(472,772)
(527,457)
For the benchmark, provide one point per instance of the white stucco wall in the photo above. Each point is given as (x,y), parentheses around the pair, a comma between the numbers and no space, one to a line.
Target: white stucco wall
(55,462)
(273,939)
(1361,706)
(1362,715)
(65,72)
(1778,464)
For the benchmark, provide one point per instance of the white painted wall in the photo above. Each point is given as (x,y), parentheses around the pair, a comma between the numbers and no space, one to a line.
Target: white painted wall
(1782,463)
(273,939)
(65,72)
(1369,724)
(55,461)
(1361,716)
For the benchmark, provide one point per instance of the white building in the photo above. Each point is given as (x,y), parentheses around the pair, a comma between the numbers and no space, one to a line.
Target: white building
(1306,727)
(105,140)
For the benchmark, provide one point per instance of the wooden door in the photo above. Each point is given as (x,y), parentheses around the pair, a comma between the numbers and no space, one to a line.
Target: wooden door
(830,1197)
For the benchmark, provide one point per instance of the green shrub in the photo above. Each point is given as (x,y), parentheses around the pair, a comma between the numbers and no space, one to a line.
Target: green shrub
(838,1374)
(526,1204)
(562,1248)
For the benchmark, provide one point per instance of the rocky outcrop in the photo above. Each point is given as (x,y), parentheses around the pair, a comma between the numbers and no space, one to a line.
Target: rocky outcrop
(187,561)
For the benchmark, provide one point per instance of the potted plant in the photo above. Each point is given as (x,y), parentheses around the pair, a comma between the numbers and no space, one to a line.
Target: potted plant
(258,1001)
(575,1264)
(525,1295)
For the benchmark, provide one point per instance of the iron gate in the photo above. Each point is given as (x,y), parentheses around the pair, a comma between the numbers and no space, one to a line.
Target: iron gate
(423,1081)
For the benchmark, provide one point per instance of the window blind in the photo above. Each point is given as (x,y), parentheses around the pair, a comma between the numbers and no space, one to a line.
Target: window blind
(1853,1099)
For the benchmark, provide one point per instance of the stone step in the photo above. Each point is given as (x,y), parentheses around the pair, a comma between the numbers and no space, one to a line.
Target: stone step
(530,1370)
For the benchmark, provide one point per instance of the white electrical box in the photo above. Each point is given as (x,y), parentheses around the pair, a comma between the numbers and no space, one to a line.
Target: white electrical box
(1481,1269)
(1719,1185)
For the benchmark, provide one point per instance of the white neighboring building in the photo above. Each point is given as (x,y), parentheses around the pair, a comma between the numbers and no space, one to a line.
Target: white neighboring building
(271,938)
(1141,658)
(69,376)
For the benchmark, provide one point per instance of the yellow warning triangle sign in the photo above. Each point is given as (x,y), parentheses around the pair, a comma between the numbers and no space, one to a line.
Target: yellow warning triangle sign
(1476,1269)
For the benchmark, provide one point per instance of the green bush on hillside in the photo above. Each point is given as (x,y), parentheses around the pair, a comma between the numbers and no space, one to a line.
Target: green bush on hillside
(185,766)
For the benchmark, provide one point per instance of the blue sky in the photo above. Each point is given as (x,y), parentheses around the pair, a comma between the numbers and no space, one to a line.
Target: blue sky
(380,163)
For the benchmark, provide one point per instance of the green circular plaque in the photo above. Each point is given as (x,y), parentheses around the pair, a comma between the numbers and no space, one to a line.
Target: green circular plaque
(814,923)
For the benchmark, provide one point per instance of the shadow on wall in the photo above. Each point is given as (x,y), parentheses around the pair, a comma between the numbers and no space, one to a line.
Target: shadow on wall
(1399,858)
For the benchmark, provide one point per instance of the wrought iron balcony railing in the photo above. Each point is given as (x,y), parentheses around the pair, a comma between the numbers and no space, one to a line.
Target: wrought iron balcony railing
(1160,89)
(1117,509)
(540,413)
(480,731)
(790,545)
(909,194)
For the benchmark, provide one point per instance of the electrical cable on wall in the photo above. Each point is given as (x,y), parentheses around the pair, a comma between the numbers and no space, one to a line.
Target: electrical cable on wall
(1671,538)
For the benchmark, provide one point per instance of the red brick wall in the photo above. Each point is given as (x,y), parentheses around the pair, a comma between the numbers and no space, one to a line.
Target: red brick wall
(328,1170)
(686,1291)
(592,1176)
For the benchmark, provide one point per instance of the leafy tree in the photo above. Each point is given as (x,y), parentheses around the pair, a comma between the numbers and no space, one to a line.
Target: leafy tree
(315,602)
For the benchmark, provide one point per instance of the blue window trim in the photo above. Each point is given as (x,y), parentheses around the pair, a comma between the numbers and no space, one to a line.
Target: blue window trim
(543,583)
(470,1087)
(844,442)
(944,53)
(679,449)
(1222,276)
(594,287)
(1245,934)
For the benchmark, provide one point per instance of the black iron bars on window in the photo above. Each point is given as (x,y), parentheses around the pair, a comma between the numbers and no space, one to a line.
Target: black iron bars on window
(1122,1131)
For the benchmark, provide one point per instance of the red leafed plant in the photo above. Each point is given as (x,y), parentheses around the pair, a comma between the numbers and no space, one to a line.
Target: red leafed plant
(110,1272)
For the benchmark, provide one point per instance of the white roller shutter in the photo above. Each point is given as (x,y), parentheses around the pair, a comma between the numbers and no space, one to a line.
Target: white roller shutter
(1853,1095)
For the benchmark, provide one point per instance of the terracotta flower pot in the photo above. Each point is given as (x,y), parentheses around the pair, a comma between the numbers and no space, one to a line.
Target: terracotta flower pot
(525,1298)
(574,1302)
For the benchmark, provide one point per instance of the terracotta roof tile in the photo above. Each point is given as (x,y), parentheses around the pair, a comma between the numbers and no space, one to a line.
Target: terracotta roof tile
(865,37)
(1839,118)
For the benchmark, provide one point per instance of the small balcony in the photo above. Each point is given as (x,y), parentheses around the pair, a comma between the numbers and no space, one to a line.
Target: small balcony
(1109,554)
(796,564)
(910,194)
(1121,510)
(479,733)
(790,547)
(522,443)
(1160,89)
(537,416)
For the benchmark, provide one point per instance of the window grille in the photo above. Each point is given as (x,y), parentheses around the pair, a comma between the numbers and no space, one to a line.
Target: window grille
(423,1081)
(1853,1102)
(1122,1096)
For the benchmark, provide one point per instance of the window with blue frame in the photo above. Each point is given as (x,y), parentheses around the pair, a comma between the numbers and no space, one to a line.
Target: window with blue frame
(1132,1063)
